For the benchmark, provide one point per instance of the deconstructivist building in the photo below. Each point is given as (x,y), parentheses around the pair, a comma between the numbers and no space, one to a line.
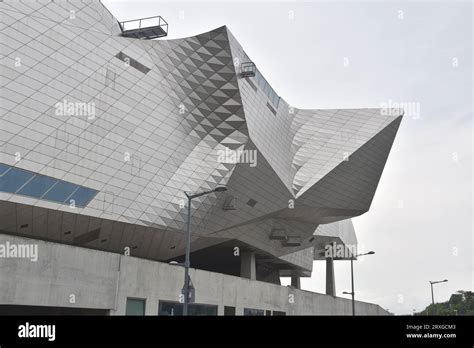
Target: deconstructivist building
(103,130)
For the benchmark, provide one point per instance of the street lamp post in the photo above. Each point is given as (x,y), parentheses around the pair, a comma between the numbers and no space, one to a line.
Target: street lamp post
(352,293)
(188,242)
(432,293)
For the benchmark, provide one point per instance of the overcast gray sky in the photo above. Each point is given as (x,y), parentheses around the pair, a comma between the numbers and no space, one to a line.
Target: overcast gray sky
(363,54)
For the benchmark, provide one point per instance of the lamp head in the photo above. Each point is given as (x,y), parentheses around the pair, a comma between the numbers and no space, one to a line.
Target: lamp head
(220,189)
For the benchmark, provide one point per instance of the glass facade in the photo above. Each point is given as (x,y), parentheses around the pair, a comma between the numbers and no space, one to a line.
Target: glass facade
(176,308)
(135,306)
(266,88)
(26,183)
(253,311)
(37,186)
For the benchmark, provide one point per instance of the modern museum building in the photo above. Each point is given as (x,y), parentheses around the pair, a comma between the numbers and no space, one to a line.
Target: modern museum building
(111,134)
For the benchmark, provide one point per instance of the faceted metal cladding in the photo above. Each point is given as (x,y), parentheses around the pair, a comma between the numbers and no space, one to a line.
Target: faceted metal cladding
(163,111)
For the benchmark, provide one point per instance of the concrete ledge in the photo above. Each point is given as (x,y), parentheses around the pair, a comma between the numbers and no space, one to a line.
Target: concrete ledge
(103,280)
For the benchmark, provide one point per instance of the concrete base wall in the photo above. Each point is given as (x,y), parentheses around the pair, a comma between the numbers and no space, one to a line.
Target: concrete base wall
(104,280)
(62,276)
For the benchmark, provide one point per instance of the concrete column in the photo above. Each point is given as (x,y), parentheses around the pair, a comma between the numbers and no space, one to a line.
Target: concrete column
(330,280)
(295,282)
(247,265)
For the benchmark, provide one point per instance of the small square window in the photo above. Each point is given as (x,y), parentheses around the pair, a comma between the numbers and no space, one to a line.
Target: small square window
(228,310)
(135,306)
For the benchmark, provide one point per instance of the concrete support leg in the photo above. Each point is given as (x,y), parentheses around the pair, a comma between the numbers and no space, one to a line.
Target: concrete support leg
(247,265)
(295,282)
(330,280)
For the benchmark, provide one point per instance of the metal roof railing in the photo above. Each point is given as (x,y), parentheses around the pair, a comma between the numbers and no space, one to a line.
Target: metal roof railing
(247,69)
(145,28)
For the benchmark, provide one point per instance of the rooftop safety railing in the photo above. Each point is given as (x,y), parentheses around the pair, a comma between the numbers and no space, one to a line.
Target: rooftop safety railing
(247,69)
(145,28)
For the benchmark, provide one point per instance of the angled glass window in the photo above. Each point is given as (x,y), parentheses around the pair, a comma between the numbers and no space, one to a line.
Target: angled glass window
(60,192)
(82,196)
(266,89)
(3,168)
(261,82)
(276,100)
(13,179)
(272,96)
(37,186)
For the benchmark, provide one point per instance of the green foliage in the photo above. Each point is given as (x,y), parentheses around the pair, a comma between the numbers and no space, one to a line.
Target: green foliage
(460,303)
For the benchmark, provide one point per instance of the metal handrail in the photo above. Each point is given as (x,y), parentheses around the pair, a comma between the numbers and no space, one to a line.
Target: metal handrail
(160,24)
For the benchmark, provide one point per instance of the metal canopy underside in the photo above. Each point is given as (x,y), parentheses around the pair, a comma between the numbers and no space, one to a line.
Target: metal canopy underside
(145,33)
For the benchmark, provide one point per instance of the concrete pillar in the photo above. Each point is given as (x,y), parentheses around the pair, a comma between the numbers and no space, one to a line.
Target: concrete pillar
(248,267)
(295,282)
(330,280)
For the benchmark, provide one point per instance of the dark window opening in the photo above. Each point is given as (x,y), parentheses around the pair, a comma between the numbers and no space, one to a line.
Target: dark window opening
(253,311)
(176,308)
(135,306)
(249,81)
(252,202)
(229,310)
(271,109)
(132,62)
